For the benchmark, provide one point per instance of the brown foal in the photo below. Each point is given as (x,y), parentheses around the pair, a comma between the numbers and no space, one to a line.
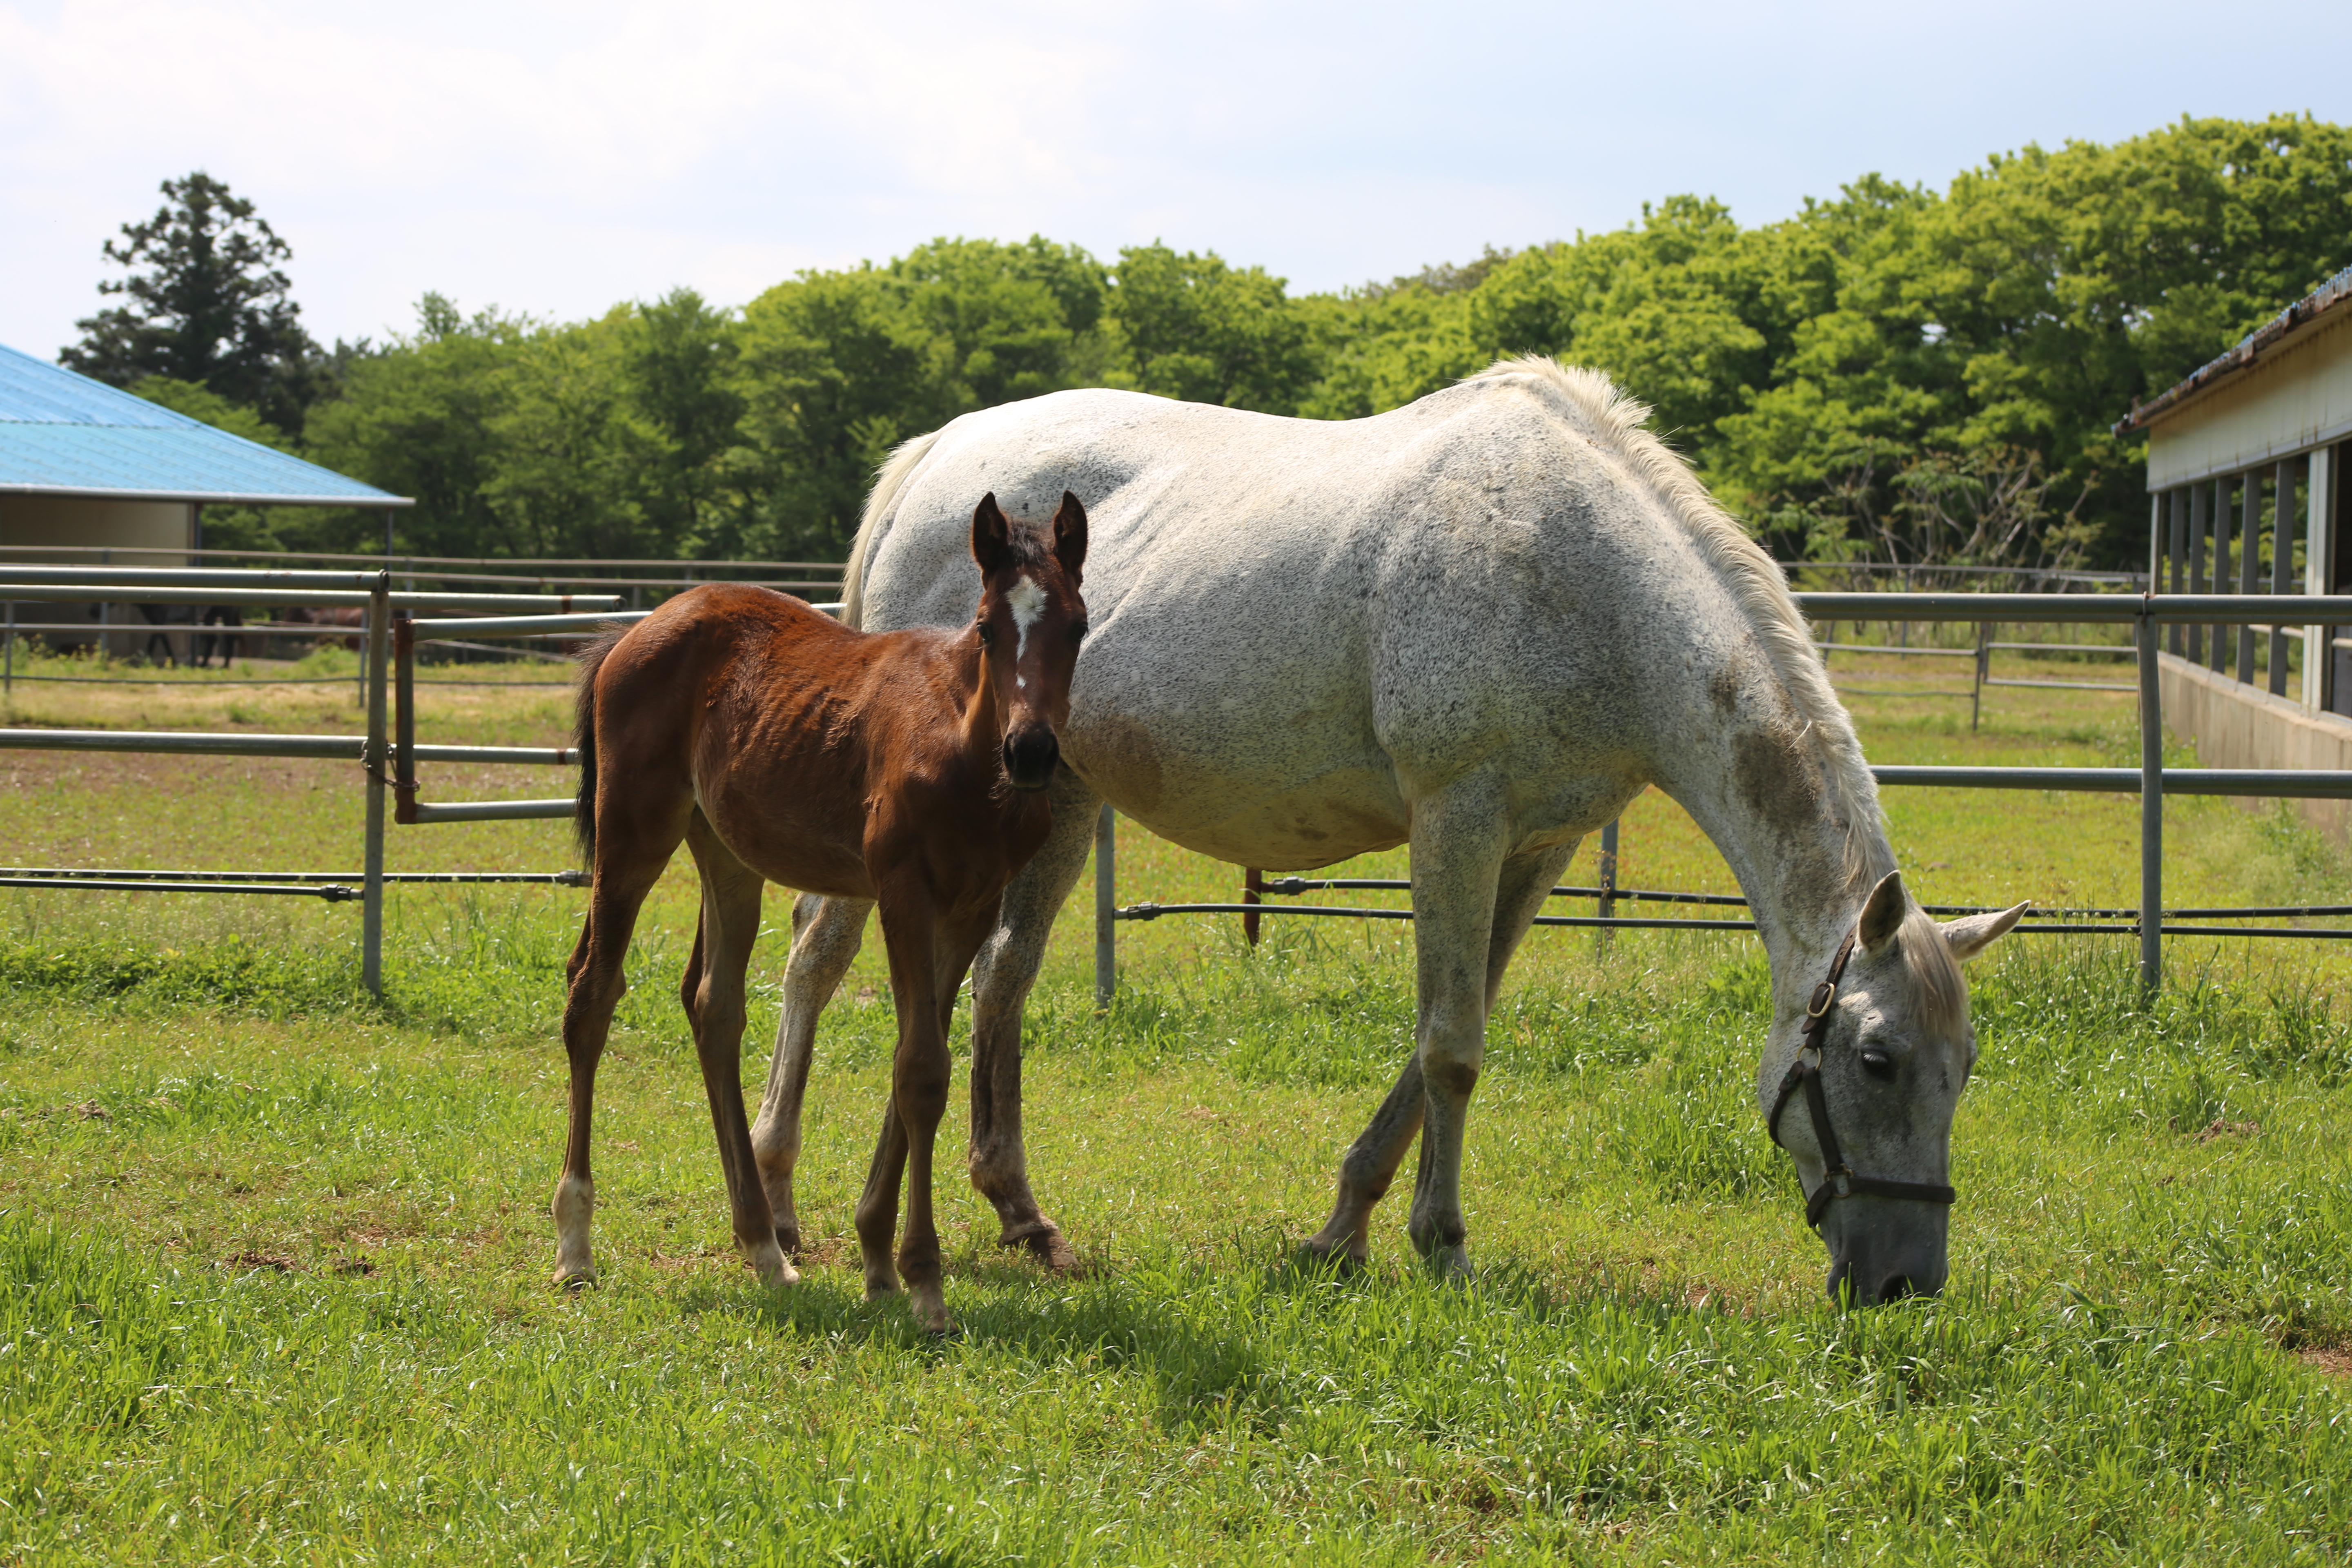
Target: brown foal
(903,767)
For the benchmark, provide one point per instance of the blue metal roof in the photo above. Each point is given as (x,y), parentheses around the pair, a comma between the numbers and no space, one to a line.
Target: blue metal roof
(63,434)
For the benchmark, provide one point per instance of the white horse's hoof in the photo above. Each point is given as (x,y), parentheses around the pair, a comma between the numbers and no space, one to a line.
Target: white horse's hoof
(574,1276)
(1452,1264)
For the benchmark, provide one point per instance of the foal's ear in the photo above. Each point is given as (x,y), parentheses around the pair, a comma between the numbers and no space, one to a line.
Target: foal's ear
(992,536)
(1883,915)
(1070,538)
(1973,934)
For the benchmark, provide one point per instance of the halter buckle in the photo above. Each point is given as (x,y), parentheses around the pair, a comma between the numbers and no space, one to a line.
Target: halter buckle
(1823,995)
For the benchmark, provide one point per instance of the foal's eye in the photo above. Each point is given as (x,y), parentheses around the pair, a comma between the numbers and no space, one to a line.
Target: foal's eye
(987,633)
(1878,1064)
(1077,631)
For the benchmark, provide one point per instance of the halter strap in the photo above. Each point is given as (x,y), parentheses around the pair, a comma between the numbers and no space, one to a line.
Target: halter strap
(1838,1179)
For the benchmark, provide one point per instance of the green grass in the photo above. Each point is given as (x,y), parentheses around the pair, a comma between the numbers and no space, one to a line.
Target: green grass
(273,1259)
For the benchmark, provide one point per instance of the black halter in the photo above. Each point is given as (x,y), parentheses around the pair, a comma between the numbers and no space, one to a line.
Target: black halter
(1838,1181)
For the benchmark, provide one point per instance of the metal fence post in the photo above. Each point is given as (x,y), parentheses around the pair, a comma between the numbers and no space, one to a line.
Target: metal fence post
(379,639)
(8,658)
(1976,688)
(2151,808)
(1105,906)
(1606,906)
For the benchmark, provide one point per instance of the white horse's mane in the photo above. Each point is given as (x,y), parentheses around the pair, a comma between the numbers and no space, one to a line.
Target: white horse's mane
(1602,409)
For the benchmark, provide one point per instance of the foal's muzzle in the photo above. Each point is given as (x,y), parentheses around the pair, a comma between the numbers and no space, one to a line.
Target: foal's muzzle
(1029,757)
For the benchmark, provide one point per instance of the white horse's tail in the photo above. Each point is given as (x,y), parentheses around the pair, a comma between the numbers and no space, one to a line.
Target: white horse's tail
(888,481)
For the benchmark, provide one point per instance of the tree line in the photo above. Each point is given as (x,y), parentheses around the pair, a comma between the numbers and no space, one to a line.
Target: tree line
(1898,374)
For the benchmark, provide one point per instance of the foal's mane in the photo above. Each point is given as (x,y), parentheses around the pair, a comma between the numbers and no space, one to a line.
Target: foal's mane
(1600,408)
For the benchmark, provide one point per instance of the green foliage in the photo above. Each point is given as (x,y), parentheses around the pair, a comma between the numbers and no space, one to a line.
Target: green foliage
(1895,373)
(1198,330)
(208,304)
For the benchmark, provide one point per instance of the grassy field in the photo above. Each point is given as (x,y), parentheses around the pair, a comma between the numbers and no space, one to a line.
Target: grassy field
(275,1259)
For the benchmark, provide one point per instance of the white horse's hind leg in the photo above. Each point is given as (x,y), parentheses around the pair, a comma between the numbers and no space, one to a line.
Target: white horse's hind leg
(827,934)
(1005,969)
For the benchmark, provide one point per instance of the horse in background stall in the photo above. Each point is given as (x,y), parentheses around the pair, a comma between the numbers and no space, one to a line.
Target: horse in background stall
(903,769)
(205,644)
(185,619)
(1479,625)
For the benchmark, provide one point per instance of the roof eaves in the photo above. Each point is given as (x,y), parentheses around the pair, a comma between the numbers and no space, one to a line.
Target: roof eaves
(2328,297)
(208,498)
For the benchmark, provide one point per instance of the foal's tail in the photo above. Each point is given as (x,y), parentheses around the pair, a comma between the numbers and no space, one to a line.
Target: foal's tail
(584,737)
(880,502)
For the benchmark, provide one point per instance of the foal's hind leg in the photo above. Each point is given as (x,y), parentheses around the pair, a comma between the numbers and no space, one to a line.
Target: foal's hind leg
(825,937)
(630,856)
(730,924)
(1006,968)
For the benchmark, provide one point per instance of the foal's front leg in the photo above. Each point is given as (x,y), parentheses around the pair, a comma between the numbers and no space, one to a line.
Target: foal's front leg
(927,964)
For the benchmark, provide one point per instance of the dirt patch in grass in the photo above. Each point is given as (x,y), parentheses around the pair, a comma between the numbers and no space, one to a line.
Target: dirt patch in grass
(2334,1360)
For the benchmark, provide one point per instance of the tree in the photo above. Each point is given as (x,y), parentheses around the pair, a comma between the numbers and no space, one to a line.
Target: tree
(209,304)
(1199,329)
(418,419)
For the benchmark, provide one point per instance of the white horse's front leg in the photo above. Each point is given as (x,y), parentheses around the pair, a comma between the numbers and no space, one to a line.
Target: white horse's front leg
(827,934)
(1459,838)
(1526,882)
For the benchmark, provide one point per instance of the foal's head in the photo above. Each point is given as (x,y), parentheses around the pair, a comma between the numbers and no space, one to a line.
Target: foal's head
(1030,624)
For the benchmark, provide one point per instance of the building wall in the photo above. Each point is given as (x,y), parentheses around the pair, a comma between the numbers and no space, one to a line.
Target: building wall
(88,520)
(2296,397)
(53,520)
(2233,725)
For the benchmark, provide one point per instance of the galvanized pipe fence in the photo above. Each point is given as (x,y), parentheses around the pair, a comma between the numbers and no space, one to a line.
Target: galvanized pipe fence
(2151,781)
(391,638)
(646,583)
(389,627)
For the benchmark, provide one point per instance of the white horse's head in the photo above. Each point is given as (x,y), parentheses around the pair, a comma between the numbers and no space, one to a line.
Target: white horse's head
(1863,1097)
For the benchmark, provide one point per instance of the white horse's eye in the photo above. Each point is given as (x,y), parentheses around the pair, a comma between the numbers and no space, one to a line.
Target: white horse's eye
(1878,1064)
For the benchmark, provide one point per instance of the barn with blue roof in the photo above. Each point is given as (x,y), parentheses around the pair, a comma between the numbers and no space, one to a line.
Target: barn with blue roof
(85,465)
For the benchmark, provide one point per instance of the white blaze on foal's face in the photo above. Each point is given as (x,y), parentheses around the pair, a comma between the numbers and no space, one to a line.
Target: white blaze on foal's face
(1027,603)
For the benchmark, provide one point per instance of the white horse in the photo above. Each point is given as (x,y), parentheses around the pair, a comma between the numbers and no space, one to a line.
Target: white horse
(1478,624)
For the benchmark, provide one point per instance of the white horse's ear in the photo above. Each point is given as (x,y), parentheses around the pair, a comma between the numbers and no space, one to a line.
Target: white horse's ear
(1973,934)
(1882,915)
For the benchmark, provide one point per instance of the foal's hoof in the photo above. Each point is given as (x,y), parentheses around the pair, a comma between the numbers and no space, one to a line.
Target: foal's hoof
(574,1276)
(774,1272)
(788,1241)
(1044,1243)
(1318,1256)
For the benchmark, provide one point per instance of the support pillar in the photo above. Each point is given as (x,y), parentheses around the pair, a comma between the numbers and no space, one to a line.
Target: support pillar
(2151,810)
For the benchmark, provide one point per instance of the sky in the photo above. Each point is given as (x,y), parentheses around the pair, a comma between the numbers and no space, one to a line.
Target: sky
(558,159)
